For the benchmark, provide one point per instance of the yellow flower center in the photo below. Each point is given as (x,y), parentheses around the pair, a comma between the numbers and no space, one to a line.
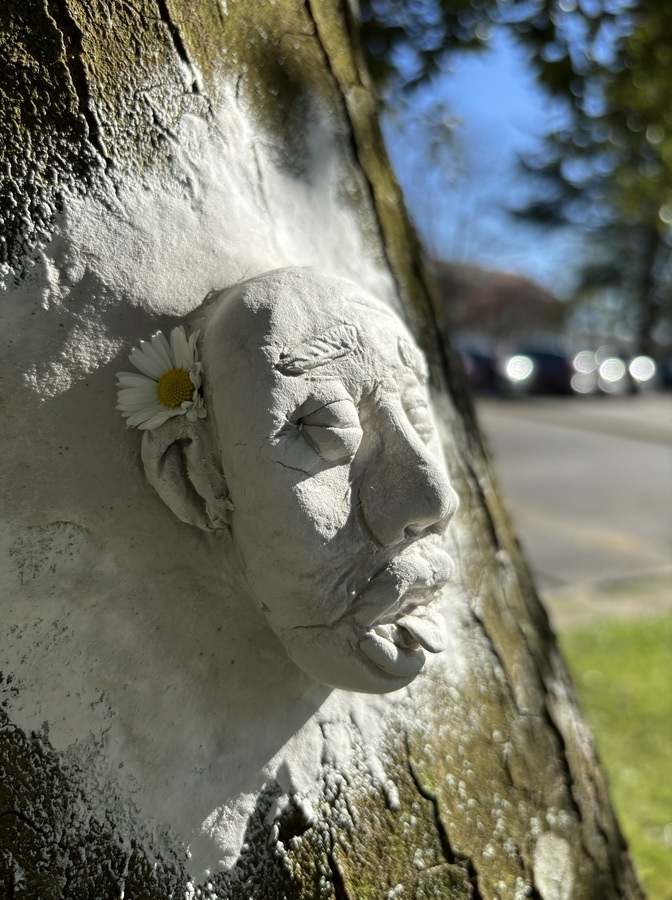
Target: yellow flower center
(174,388)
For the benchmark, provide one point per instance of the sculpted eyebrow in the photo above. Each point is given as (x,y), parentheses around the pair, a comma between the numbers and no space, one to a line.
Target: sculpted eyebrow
(317,351)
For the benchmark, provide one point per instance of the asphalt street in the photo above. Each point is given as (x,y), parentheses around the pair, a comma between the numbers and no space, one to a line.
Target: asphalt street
(588,481)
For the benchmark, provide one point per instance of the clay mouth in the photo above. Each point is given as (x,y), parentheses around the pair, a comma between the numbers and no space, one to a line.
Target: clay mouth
(412,578)
(399,648)
(397,615)
(380,643)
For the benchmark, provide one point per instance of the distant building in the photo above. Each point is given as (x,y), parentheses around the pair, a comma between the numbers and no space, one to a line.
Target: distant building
(500,306)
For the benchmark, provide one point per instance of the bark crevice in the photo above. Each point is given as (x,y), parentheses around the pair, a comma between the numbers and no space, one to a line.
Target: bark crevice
(26,820)
(341,891)
(451,857)
(73,59)
(178,43)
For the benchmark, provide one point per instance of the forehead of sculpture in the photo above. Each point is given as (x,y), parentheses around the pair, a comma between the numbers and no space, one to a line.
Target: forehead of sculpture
(296,324)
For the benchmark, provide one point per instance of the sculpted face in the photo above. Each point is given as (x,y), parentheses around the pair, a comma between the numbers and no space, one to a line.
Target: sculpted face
(317,395)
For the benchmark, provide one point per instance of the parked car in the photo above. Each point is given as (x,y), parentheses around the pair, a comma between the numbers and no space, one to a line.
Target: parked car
(665,373)
(481,370)
(537,370)
(607,371)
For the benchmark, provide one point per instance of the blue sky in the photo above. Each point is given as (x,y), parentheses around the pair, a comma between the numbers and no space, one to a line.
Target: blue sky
(458,193)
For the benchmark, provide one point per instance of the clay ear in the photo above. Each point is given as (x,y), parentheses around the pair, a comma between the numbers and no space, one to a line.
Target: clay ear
(182,465)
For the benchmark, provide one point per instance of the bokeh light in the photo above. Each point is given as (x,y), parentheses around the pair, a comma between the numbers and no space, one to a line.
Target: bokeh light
(642,368)
(584,362)
(519,368)
(583,382)
(612,370)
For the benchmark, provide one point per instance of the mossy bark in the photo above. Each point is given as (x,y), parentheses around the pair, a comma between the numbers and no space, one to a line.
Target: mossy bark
(90,88)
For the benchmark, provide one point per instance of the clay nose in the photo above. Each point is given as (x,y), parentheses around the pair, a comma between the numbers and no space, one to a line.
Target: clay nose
(406,491)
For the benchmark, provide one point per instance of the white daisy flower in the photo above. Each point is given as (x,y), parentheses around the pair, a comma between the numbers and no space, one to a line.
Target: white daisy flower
(169,385)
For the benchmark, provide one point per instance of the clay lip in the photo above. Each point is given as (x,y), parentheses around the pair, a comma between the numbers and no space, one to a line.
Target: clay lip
(396,594)
(393,618)
(391,593)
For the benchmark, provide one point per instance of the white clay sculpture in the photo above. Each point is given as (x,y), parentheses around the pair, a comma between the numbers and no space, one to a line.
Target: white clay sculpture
(319,453)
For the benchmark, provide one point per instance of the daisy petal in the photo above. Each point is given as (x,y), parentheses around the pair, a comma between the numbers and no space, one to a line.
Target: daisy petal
(192,345)
(145,414)
(132,405)
(147,365)
(162,348)
(156,357)
(180,349)
(159,419)
(130,379)
(130,409)
(144,393)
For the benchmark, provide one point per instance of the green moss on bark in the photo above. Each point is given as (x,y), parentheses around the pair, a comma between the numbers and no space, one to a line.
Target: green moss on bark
(42,135)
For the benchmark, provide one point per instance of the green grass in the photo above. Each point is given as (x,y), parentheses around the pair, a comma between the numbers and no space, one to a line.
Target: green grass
(623,672)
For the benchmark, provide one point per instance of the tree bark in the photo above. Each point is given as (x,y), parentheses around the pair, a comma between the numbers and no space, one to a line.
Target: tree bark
(486,783)
(646,301)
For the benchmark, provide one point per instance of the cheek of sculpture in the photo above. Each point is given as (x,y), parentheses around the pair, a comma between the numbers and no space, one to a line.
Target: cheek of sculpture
(295,556)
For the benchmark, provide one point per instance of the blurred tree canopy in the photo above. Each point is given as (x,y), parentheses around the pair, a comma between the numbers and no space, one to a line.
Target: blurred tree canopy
(608,167)
(408,41)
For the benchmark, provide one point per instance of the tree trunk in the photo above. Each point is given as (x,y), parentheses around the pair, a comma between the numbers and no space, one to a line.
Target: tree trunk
(646,301)
(156,741)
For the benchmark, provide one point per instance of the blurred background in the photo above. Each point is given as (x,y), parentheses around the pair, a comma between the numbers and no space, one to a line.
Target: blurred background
(533,142)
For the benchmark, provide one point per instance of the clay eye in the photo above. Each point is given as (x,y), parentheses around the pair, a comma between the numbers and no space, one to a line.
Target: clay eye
(333,431)
(420,417)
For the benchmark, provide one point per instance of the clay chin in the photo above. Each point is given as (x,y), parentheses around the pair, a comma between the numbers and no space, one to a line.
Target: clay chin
(318,411)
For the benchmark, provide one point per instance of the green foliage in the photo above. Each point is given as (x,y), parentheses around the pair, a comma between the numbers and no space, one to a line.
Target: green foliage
(607,167)
(622,670)
(407,41)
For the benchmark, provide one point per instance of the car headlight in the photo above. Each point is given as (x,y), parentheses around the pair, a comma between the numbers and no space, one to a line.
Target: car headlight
(642,368)
(519,368)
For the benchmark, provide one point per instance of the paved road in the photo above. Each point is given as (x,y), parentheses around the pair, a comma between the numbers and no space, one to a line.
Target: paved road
(589,483)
